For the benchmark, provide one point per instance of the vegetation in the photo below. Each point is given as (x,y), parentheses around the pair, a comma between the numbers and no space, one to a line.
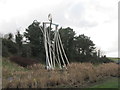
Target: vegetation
(28,54)
(9,65)
(36,76)
(117,60)
(23,61)
(18,39)
(8,47)
(111,83)
(78,48)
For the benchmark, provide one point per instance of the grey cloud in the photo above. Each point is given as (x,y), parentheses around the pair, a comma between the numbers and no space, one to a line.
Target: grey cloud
(77,11)
(74,10)
(76,15)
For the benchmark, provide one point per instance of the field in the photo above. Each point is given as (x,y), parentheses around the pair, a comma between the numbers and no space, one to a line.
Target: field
(110,83)
(78,75)
(114,59)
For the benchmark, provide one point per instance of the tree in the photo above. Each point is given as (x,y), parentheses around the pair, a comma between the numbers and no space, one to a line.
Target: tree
(10,36)
(8,47)
(34,38)
(67,36)
(18,39)
(26,50)
(84,46)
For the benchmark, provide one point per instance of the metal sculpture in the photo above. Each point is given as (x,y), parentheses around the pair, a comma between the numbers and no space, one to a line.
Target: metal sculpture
(55,53)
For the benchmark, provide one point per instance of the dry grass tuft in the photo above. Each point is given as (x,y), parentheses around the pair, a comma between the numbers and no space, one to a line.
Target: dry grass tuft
(78,74)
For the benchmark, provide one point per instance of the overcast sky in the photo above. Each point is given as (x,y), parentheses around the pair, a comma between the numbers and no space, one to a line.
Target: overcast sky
(97,19)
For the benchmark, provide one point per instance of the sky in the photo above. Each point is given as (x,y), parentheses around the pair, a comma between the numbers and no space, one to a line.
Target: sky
(97,19)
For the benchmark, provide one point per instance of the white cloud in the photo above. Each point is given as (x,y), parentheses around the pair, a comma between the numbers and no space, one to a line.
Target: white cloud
(94,18)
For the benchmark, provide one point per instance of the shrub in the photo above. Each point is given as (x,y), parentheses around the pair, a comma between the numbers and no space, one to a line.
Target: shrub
(23,61)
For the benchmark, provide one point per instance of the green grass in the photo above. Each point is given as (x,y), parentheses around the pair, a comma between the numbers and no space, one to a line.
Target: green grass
(8,68)
(111,83)
(11,66)
(114,59)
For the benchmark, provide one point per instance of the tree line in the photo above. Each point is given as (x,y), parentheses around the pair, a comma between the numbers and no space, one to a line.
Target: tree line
(30,44)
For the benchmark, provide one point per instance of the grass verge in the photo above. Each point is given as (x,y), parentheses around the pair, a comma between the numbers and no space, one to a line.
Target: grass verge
(111,83)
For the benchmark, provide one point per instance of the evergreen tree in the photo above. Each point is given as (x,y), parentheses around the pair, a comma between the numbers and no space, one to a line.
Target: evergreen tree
(67,36)
(34,38)
(84,47)
(18,39)
(10,36)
